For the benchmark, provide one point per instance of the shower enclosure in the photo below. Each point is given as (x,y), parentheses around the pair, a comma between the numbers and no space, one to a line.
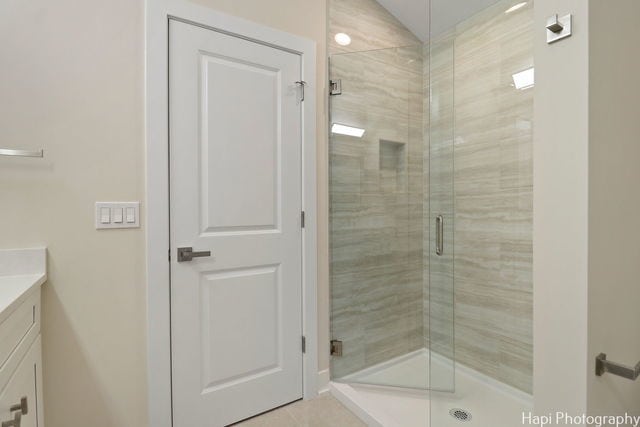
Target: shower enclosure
(431,211)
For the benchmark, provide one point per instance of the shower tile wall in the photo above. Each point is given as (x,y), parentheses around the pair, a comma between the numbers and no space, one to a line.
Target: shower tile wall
(389,294)
(376,188)
(492,191)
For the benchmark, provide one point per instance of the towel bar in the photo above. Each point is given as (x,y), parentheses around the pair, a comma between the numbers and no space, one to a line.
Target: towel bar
(21,153)
(603,365)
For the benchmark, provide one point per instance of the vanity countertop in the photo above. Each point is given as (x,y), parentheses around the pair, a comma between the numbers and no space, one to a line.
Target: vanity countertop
(22,271)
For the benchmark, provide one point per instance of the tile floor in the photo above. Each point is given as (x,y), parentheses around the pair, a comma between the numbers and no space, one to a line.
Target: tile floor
(324,411)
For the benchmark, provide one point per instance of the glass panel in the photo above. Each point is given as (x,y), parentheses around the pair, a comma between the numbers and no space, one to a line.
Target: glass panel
(440,245)
(480,180)
(376,214)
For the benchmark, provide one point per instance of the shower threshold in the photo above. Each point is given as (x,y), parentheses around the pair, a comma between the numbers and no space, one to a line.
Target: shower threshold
(369,395)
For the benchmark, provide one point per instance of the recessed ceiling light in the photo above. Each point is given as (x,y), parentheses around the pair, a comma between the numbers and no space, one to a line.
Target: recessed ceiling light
(516,7)
(524,79)
(343,39)
(347,130)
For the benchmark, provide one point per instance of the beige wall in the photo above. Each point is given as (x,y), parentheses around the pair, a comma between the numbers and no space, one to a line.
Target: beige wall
(614,202)
(586,240)
(72,83)
(560,190)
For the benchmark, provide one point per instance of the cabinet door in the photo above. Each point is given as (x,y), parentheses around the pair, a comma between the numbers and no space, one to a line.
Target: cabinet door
(24,383)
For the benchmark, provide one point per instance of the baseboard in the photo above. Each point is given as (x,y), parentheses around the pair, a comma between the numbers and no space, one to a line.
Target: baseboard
(323,381)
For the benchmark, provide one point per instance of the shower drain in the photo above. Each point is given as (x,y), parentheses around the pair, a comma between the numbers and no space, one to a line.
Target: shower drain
(460,414)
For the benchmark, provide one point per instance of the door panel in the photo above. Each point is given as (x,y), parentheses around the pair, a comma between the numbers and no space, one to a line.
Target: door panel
(251,203)
(235,150)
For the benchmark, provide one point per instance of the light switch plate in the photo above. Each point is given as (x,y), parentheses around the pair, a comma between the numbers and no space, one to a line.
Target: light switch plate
(117,212)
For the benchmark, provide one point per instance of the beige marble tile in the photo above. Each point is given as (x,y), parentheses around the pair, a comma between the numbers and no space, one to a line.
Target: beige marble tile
(376,195)
(369,25)
(492,193)
(323,411)
(459,144)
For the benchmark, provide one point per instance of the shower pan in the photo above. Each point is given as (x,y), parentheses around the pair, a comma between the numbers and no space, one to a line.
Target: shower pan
(431,212)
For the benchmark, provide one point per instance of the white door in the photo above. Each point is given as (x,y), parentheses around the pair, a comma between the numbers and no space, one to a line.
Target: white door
(235,168)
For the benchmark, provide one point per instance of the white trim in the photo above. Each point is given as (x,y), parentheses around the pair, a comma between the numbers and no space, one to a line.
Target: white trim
(324,378)
(157,13)
(357,404)
(492,383)
(351,394)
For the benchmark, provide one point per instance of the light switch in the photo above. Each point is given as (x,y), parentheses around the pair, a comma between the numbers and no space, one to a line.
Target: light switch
(105,215)
(131,215)
(117,215)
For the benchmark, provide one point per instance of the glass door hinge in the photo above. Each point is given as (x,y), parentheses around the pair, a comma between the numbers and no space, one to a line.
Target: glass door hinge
(335,87)
(336,348)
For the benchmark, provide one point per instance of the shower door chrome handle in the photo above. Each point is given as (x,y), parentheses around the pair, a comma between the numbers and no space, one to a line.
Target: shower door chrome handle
(439,235)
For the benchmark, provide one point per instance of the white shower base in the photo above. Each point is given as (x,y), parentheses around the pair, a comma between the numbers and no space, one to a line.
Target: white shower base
(490,402)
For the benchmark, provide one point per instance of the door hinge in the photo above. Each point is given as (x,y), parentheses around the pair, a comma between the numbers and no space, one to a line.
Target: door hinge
(169,255)
(302,85)
(335,87)
(304,344)
(302,219)
(336,348)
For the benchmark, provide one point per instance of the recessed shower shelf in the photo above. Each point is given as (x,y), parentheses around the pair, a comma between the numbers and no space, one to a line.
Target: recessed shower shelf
(391,142)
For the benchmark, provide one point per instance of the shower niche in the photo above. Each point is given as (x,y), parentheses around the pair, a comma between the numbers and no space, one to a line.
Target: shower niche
(393,166)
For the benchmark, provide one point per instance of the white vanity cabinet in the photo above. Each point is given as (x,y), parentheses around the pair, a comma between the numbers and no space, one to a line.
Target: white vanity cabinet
(21,403)
(22,396)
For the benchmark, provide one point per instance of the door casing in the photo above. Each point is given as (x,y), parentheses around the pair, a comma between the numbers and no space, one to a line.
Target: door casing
(158,13)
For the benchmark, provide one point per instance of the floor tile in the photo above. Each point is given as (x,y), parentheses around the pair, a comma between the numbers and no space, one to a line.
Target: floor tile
(324,411)
(276,418)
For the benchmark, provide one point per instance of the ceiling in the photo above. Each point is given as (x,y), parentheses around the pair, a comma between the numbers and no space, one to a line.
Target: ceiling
(414,14)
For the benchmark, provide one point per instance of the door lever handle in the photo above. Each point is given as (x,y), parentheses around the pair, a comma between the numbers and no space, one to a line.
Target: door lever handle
(23,406)
(15,422)
(187,254)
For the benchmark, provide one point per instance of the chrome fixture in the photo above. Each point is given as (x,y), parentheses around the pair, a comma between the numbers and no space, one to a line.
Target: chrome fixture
(558,28)
(439,235)
(21,153)
(335,87)
(336,348)
(187,254)
(23,406)
(603,366)
(302,84)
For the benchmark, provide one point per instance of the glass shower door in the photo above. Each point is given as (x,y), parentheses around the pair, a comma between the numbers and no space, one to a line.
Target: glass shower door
(480,193)
(376,212)
(441,216)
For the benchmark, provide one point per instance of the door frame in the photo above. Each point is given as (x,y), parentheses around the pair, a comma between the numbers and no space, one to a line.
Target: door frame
(157,15)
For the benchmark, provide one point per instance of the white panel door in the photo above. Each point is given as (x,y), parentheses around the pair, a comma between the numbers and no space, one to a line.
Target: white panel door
(235,149)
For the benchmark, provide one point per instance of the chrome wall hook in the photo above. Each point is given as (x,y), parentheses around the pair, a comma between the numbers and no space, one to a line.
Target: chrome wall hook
(558,28)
